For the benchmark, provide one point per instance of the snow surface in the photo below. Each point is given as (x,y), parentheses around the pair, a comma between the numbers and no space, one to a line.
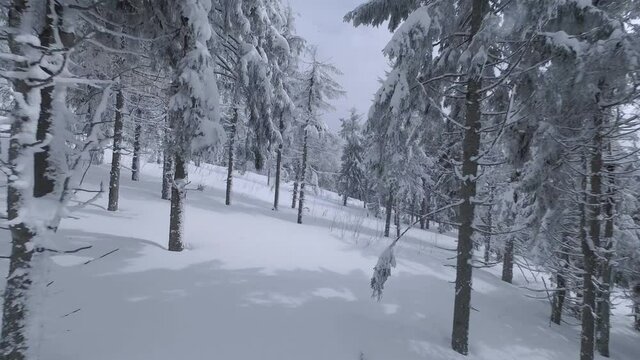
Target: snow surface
(253,284)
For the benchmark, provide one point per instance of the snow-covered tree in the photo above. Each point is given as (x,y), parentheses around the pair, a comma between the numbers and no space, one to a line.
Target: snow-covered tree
(318,87)
(351,180)
(194,105)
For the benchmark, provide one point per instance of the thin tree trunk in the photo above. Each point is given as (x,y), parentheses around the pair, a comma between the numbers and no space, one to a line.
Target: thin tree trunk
(387,223)
(344,199)
(303,173)
(276,195)
(294,196)
(231,149)
(507,261)
(397,221)
(135,162)
(487,236)
(589,246)
(424,206)
(114,179)
(178,196)
(604,303)
(470,148)
(560,294)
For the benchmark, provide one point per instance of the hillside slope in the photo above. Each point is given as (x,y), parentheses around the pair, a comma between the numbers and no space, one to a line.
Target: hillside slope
(253,284)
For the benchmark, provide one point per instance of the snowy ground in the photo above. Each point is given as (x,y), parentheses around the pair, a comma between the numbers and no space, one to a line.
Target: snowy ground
(255,285)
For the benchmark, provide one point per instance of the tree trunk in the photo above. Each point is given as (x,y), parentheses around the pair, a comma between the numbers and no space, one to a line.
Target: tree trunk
(507,261)
(167,175)
(470,148)
(397,221)
(558,299)
(560,294)
(44,169)
(487,236)
(303,173)
(344,199)
(604,303)
(231,149)
(276,195)
(135,162)
(387,223)
(294,195)
(589,247)
(424,206)
(114,179)
(14,342)
(43,177)
(178,196)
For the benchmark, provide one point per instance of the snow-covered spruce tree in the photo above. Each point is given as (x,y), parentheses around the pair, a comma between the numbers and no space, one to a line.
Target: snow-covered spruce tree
(194,103)
(253,58)
(285,75)
(318,87)
(591,71)
(424,25)
(450,46)
(244,66)
(351,179)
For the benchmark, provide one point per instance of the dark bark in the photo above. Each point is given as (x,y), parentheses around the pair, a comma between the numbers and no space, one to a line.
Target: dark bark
(557,304)
(167,163)
(13,345)
(303,174)
(44,169)
(589,246)
(344,199)
(276,194)
(559,296)
(231,149)
(387,223)
(470,148)
(397,221)
(43,177)
(424,206)
(114,178)
(507,261)
(487,236)
(167,175)
(178,196)
(604,303)
(135,162)
(294,195)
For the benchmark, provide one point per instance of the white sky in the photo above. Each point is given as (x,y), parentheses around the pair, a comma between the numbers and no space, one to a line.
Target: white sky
(356,51)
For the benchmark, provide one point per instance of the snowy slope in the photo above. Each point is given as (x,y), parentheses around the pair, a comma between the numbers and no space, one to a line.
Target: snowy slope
(255,285)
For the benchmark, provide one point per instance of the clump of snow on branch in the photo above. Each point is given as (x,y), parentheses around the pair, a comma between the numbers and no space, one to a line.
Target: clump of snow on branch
(382,271)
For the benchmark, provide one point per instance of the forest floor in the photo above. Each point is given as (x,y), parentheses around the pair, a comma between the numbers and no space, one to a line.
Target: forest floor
(253,285)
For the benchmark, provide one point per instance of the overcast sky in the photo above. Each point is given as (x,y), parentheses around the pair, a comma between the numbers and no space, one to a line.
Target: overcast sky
(356,51)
